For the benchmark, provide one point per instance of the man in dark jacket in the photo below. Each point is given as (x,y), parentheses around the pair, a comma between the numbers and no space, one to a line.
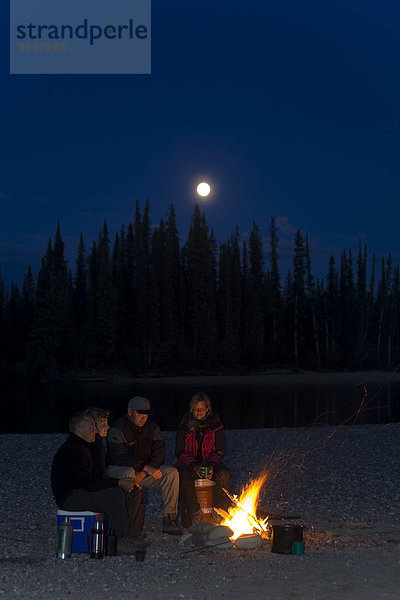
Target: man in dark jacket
(135,441)
(77,486)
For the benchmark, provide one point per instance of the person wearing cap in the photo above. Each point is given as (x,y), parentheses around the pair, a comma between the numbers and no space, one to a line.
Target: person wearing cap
(135,443)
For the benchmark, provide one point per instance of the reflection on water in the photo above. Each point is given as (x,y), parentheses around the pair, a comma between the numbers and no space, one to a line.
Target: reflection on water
(46,408)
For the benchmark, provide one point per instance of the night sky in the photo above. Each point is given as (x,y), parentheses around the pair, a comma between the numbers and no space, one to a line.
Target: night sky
(288,109)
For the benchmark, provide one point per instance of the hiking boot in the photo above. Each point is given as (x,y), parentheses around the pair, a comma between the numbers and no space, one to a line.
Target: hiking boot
(171,526)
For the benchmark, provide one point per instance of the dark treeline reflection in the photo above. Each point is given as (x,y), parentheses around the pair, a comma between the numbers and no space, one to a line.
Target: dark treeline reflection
(46,408)
(146,303)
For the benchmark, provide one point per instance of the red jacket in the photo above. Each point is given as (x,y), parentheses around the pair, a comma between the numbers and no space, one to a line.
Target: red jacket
(200,442)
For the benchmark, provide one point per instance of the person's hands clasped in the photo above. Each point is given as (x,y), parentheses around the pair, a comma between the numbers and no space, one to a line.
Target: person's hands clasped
(153,472)
(204,472)
(139,476)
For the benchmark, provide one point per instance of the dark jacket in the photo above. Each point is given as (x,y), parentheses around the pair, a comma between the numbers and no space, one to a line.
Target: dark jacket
(73,468)
(133,446)
(200,442)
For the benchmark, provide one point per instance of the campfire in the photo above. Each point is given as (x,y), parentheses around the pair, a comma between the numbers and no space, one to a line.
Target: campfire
(242,516)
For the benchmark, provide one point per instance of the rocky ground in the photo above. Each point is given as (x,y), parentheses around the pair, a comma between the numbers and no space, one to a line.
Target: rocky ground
(342,484)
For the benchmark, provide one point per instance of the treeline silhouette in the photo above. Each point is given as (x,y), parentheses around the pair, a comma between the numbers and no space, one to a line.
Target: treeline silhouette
(147,304)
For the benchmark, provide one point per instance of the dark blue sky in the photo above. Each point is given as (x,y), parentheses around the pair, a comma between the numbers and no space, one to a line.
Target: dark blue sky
(289,109)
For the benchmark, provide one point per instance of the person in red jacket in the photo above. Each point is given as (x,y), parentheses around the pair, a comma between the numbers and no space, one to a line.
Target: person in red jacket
(200,442)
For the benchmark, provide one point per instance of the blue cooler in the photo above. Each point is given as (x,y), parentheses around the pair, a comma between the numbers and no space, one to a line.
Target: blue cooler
(81,522)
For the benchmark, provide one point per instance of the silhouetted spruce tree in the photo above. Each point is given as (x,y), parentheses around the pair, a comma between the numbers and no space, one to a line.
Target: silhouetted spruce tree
(169,280)
(287,318)
(383,302)
(200,301)
(129,297)
(273,298)
(298,299)
(221,300)
(175,330)
(361,347)
(214,266)
(236,309)
(245,308)
(332,314)
(255,300)
(118,271)
(51,338)
(161,269)
(393,334)
(320,310)
(371,314)
(27,307)
(348,325)
(80,289)
(380,310)
(146,296)
(311,309)
(229,301)
(101,332)
(63,302)
(42,344)
(13,333)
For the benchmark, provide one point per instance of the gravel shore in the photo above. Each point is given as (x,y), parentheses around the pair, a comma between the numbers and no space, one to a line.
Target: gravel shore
(342,483)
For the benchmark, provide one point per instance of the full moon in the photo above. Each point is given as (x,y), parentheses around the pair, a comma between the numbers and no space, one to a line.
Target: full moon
(203,189)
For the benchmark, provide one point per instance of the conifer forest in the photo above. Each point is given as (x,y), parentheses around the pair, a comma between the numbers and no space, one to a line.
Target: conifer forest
(145,303)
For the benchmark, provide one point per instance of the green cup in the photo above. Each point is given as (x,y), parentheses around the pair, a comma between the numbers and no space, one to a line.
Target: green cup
(140,555)
(298,548)
(204,472)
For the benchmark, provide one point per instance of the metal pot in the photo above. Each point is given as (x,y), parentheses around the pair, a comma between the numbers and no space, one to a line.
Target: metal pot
(283,536)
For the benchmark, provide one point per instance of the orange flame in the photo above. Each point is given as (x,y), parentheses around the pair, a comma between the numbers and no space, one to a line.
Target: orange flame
(241,517)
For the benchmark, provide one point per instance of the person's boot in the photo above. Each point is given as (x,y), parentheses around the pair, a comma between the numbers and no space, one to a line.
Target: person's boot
(171,526)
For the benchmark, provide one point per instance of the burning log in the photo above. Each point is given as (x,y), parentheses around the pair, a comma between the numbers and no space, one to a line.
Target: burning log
(239,525)
(241,517)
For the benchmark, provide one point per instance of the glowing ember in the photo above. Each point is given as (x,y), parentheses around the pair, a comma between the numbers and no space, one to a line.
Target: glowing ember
(241,517)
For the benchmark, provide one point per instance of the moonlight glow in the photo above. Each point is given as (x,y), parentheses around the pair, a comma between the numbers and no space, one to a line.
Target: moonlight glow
(203,189)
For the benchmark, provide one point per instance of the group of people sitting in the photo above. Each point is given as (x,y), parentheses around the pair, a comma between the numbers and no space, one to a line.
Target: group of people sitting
(103,469)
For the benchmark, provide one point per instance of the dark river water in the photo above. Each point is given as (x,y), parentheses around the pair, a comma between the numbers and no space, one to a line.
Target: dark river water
(46,408)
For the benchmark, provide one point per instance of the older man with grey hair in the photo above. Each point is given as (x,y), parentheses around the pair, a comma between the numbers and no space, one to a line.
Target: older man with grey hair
(78,484)
(136,449)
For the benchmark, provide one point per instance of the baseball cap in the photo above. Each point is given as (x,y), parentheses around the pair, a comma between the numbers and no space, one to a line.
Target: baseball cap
(141,405)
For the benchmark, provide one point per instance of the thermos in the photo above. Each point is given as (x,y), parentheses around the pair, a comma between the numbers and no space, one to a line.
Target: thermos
(64,538)
(111,543)
(96,547)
